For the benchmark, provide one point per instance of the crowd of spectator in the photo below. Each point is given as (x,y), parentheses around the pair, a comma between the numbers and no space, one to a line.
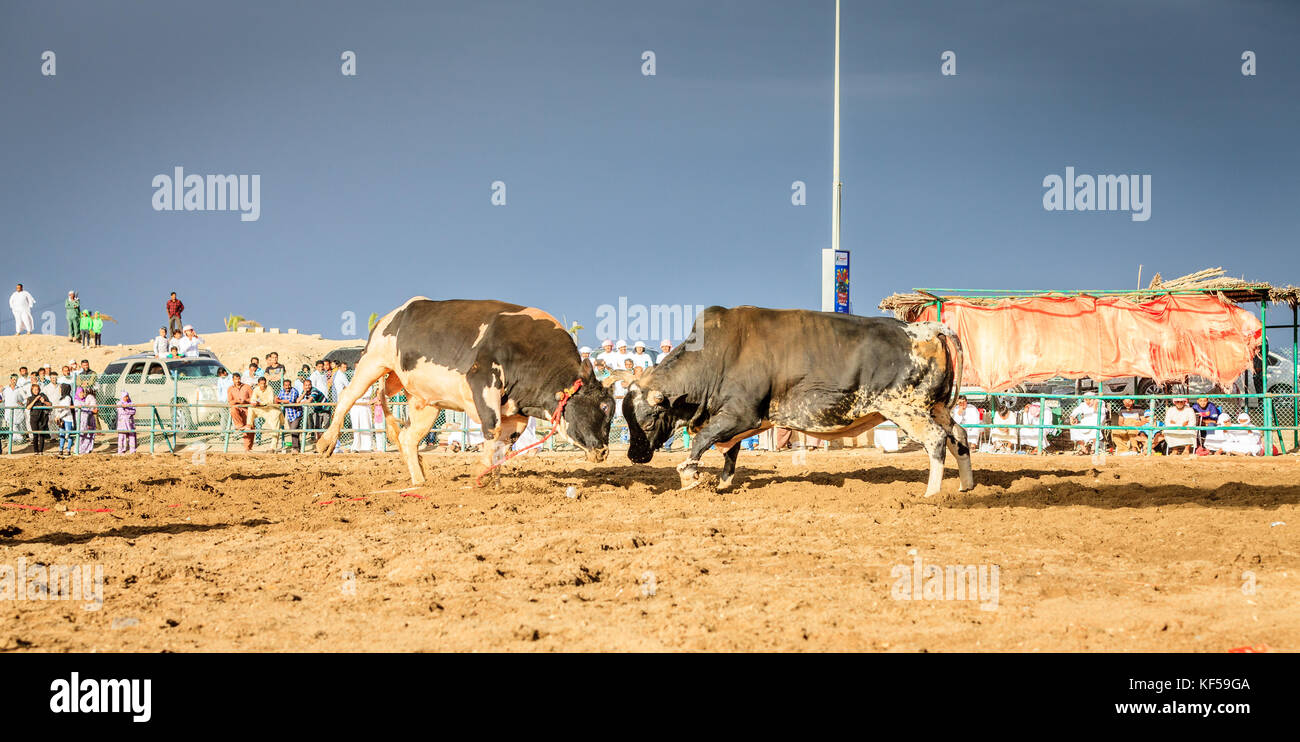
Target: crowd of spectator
(1135,430)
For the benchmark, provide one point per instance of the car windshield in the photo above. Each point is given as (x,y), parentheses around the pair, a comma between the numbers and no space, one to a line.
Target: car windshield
(196,369)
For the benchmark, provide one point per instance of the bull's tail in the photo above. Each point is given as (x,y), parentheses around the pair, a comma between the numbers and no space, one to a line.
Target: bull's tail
(955,358)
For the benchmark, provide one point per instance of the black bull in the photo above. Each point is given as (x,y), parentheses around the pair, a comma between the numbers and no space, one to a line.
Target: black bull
(747,369)
(499,363)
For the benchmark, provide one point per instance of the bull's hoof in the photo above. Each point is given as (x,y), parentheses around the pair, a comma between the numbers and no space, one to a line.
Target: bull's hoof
(324,450)
(930,493)
(690,484)
(724,483)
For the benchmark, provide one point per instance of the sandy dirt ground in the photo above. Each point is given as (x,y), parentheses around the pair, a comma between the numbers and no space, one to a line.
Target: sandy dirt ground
(300,553)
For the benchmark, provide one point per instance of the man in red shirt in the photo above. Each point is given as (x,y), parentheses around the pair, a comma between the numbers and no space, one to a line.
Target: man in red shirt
(174,309)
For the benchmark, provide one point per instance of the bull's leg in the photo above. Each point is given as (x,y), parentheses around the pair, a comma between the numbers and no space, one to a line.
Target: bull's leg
(934,437)
(487,402)
(728,466)
(408,440)
(369,369)
(719,429)
(959,444)
(392,388)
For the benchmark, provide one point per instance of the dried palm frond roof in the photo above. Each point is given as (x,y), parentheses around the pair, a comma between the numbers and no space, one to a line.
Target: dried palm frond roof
(1208,281)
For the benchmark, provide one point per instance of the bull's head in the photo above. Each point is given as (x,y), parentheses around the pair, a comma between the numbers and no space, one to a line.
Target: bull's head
(650,422)
(588,414)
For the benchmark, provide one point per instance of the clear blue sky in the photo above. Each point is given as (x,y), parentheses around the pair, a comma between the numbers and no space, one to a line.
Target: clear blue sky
(672,189)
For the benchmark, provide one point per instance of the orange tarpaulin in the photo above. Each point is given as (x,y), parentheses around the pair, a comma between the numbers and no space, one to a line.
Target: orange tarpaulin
(1037,338)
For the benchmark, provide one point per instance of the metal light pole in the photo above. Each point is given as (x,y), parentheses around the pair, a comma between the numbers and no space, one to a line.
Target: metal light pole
(828,255)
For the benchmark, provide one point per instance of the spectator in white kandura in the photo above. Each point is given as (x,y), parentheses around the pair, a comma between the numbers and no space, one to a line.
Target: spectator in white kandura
(621,349)
(584,355)
(664,348)
(189,343)
(1033,437)
(174,344)
(1087,412)
(161,343)
(318,380)
(1244,442)
(14,398)
(362,415)
(607,354)
(965,413)
(1177,436)
(340,380)
(1216,439)
(21,303)
(1004,438)
(224,382)
(640,358)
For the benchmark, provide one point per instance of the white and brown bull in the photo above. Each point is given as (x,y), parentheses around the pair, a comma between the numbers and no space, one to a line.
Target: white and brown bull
(499,363)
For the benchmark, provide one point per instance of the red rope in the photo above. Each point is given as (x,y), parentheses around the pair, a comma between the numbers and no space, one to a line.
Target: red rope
(555,421)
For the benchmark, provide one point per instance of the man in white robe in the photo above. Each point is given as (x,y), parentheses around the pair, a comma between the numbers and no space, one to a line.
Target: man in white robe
(21,303)
(1088,412)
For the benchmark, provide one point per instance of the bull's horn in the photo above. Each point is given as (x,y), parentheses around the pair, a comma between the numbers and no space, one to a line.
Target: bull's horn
(655,397)
(622,375)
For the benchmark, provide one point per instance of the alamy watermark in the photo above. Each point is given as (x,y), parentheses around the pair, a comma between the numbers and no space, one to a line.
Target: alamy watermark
(1085,192)
(181,192)
(919,581)
(83,582)
(647,323)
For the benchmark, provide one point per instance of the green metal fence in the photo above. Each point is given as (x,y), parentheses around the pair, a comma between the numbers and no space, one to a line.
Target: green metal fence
(170,420)
(1262,408)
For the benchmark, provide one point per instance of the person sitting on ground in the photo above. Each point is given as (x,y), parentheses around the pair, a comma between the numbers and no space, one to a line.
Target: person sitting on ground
(1216,439)
(1132,418)
(1244,442)
(964,413)
(266,407)
(1178,434)
(1207,415)
(1088,412)
(1032,437)
(1005,439)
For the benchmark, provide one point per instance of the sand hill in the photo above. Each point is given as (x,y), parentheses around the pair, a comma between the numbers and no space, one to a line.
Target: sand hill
(233,348)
